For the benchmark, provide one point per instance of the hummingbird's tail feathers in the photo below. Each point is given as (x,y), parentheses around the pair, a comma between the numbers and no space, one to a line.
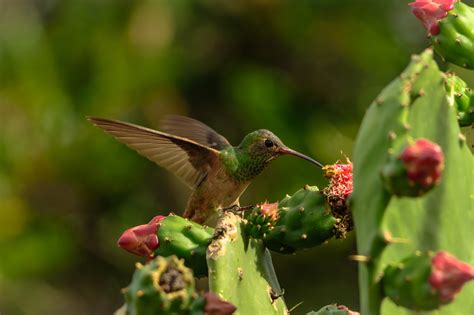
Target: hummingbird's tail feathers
(188,160)
(194,130)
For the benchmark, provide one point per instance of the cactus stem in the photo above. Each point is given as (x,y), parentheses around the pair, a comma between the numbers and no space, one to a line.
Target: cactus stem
(359,258)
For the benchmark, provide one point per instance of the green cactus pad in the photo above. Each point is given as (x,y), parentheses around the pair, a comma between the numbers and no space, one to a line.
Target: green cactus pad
(406,283)
(413,106)
(185,239)
(241,270)
(163,286)
(455,41)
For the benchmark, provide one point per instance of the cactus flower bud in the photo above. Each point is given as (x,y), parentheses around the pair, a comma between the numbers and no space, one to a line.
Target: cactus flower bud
(141,240)
(426,282)
(216,306)
(448,275)
(416,170)
(429,12)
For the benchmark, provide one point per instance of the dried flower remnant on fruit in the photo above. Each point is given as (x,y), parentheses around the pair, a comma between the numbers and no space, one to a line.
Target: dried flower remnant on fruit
(337,193)
(448,275)
(429,12)
(424,163)
(141,240)
(340,176)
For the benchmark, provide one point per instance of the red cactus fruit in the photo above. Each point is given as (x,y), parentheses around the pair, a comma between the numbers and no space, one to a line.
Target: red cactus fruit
(448,275)
(429,12)
(424,162)
(141,240)
(216,306)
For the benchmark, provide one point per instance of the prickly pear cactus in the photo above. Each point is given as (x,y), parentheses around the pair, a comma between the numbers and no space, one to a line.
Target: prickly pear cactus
(426,281)
(300,221)
(163,286)
(241,270)
(450,25)
(170,235)
(412,107)
(185,239)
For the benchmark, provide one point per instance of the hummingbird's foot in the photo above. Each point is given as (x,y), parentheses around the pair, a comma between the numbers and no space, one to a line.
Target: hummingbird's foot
(237,209)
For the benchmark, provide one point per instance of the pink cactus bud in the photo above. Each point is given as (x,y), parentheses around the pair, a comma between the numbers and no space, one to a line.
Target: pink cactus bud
(448,275)
(340,176)
(141,240)
(429,12)
(270,210)
(424,162)
(216,306)
(345,308)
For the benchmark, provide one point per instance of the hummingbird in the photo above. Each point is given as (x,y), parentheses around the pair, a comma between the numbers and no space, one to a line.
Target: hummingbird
(217,172)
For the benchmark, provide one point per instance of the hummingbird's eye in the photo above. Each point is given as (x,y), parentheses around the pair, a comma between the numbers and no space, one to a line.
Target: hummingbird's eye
(268,143)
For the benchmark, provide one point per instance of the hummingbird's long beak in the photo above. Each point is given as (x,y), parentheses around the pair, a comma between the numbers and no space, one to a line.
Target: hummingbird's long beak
(286,150)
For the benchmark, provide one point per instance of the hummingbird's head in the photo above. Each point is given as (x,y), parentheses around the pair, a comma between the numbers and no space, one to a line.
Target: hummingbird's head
(263,146)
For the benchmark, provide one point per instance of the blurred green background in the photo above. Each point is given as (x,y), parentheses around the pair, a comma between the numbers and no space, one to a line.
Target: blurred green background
(306,70)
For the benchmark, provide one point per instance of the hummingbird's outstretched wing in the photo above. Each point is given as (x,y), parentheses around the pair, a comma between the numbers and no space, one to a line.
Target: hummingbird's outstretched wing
(194,130)
(187,159)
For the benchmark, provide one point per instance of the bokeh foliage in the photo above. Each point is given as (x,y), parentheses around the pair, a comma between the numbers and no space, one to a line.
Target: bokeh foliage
(304,69)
